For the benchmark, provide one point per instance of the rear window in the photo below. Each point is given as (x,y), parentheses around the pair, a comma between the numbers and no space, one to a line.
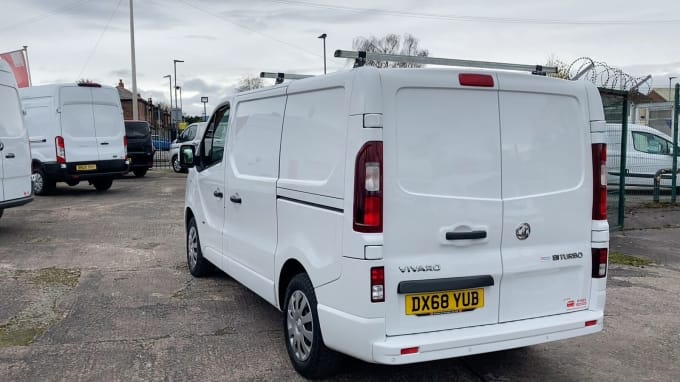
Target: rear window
(136,129)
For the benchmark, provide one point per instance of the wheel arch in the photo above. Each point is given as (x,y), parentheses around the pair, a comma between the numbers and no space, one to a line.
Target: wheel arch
(289,269)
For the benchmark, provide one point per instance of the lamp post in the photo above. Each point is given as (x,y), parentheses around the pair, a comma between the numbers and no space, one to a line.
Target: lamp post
(169,77)
(174,63)
(323,37)
(204,100)
(180,100)
(135,102)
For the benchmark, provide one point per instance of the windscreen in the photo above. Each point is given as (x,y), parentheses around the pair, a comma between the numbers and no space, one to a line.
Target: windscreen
(136,129)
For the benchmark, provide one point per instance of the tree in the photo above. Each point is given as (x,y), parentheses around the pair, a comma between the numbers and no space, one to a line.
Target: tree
(249,83)
(86,81)
(562,67)
(391,44)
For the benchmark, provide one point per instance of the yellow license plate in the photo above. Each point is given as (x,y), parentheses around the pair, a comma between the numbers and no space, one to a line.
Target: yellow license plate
(86,167)
(444,302)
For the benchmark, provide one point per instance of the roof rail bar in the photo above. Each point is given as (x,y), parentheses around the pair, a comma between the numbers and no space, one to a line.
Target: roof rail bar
(284,76)
(361,57)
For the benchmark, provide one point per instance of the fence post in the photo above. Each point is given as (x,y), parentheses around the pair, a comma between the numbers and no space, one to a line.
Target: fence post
(675,144)
(622,169)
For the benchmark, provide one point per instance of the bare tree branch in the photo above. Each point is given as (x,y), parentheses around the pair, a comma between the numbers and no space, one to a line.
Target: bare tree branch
(391,44)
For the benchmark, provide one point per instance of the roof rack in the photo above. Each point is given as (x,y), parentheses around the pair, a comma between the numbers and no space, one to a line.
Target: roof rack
(284,76)
(361,57)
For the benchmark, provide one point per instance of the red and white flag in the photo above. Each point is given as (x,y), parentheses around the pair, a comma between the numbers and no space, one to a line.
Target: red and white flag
(17,61)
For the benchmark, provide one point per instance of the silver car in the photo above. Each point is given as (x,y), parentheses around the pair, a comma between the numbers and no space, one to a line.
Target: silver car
(191,135)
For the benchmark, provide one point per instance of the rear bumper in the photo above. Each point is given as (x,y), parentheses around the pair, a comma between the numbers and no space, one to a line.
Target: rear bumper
(15,202)
(69,172)
(370,344)
(140,160)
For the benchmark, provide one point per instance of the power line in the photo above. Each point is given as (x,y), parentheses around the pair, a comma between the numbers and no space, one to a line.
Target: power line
(96,45)
(42,17)
(480,19)
(249,29)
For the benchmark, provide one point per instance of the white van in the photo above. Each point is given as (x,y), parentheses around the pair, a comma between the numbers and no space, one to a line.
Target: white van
(76,133)
(191,135)
(647,151)
(15,154)
(407,215)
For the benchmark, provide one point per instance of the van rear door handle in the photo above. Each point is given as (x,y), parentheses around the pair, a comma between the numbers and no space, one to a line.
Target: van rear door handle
(104,143)
(471,235)
(10,156)
(235,199)
(218,194)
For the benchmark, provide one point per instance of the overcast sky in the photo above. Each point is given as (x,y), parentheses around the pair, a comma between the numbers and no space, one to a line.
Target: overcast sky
(222,41)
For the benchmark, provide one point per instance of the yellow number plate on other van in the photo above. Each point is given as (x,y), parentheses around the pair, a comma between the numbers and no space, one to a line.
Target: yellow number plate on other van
(86,167)
(444,302)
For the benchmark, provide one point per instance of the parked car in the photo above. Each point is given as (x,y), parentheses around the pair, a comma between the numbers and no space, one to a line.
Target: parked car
(647,151)
(15,153)
(407,215)
(140,149)
(192,134)
(76,133)
(160,143)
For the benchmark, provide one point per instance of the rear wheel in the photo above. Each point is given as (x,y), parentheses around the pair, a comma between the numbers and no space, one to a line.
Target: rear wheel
(102,184)
(302,333)
(175,164)
(198,265)
(41,184)
(140,172)
(1,211)
(72,182)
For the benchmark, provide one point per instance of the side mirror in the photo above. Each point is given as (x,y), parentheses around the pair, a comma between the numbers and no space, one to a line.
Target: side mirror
(186,156)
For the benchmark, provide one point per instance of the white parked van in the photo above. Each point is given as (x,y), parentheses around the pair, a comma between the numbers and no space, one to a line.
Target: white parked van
(76,133)
(407,215)
(15,155)
(647,151)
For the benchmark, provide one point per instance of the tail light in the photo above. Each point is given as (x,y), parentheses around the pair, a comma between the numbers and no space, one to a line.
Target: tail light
(599,262)
(377,284)
(61,149)
(368,184)
(125,144)
(599,181)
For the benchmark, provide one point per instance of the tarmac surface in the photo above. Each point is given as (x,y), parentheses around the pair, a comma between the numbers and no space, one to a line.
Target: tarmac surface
(94,286)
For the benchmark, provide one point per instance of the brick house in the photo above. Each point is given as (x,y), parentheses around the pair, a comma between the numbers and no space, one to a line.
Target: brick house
(158,117)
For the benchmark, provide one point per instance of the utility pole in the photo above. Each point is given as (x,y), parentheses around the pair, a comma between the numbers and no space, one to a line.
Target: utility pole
(28,67)
(174,63)
(135,106)
(169,77)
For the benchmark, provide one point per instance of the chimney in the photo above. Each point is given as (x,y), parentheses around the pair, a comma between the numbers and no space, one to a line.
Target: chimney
(120,84)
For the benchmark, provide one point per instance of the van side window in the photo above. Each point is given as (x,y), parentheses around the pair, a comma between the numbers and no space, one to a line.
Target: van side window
(651,144)
(213,142)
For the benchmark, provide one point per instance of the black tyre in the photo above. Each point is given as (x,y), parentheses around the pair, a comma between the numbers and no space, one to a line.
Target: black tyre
(140,172)
(42,185)
(102,184)
(198,265)
(302,333)
(72,183)
(175,164)
(1,212)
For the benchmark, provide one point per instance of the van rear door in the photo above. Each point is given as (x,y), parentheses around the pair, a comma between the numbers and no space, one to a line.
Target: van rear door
(15,163)
(442,201)
(108,122)
(77,124)
(547,196)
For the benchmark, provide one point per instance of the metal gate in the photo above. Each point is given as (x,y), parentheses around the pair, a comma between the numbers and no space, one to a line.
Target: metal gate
(162,143)
(641,159)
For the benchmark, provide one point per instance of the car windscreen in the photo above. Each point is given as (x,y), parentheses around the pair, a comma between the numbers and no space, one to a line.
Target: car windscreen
(136,129)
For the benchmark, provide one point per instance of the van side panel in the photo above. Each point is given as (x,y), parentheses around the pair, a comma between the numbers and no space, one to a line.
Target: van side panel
(312,158)
(252,159)
(42,121)
(547,184)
